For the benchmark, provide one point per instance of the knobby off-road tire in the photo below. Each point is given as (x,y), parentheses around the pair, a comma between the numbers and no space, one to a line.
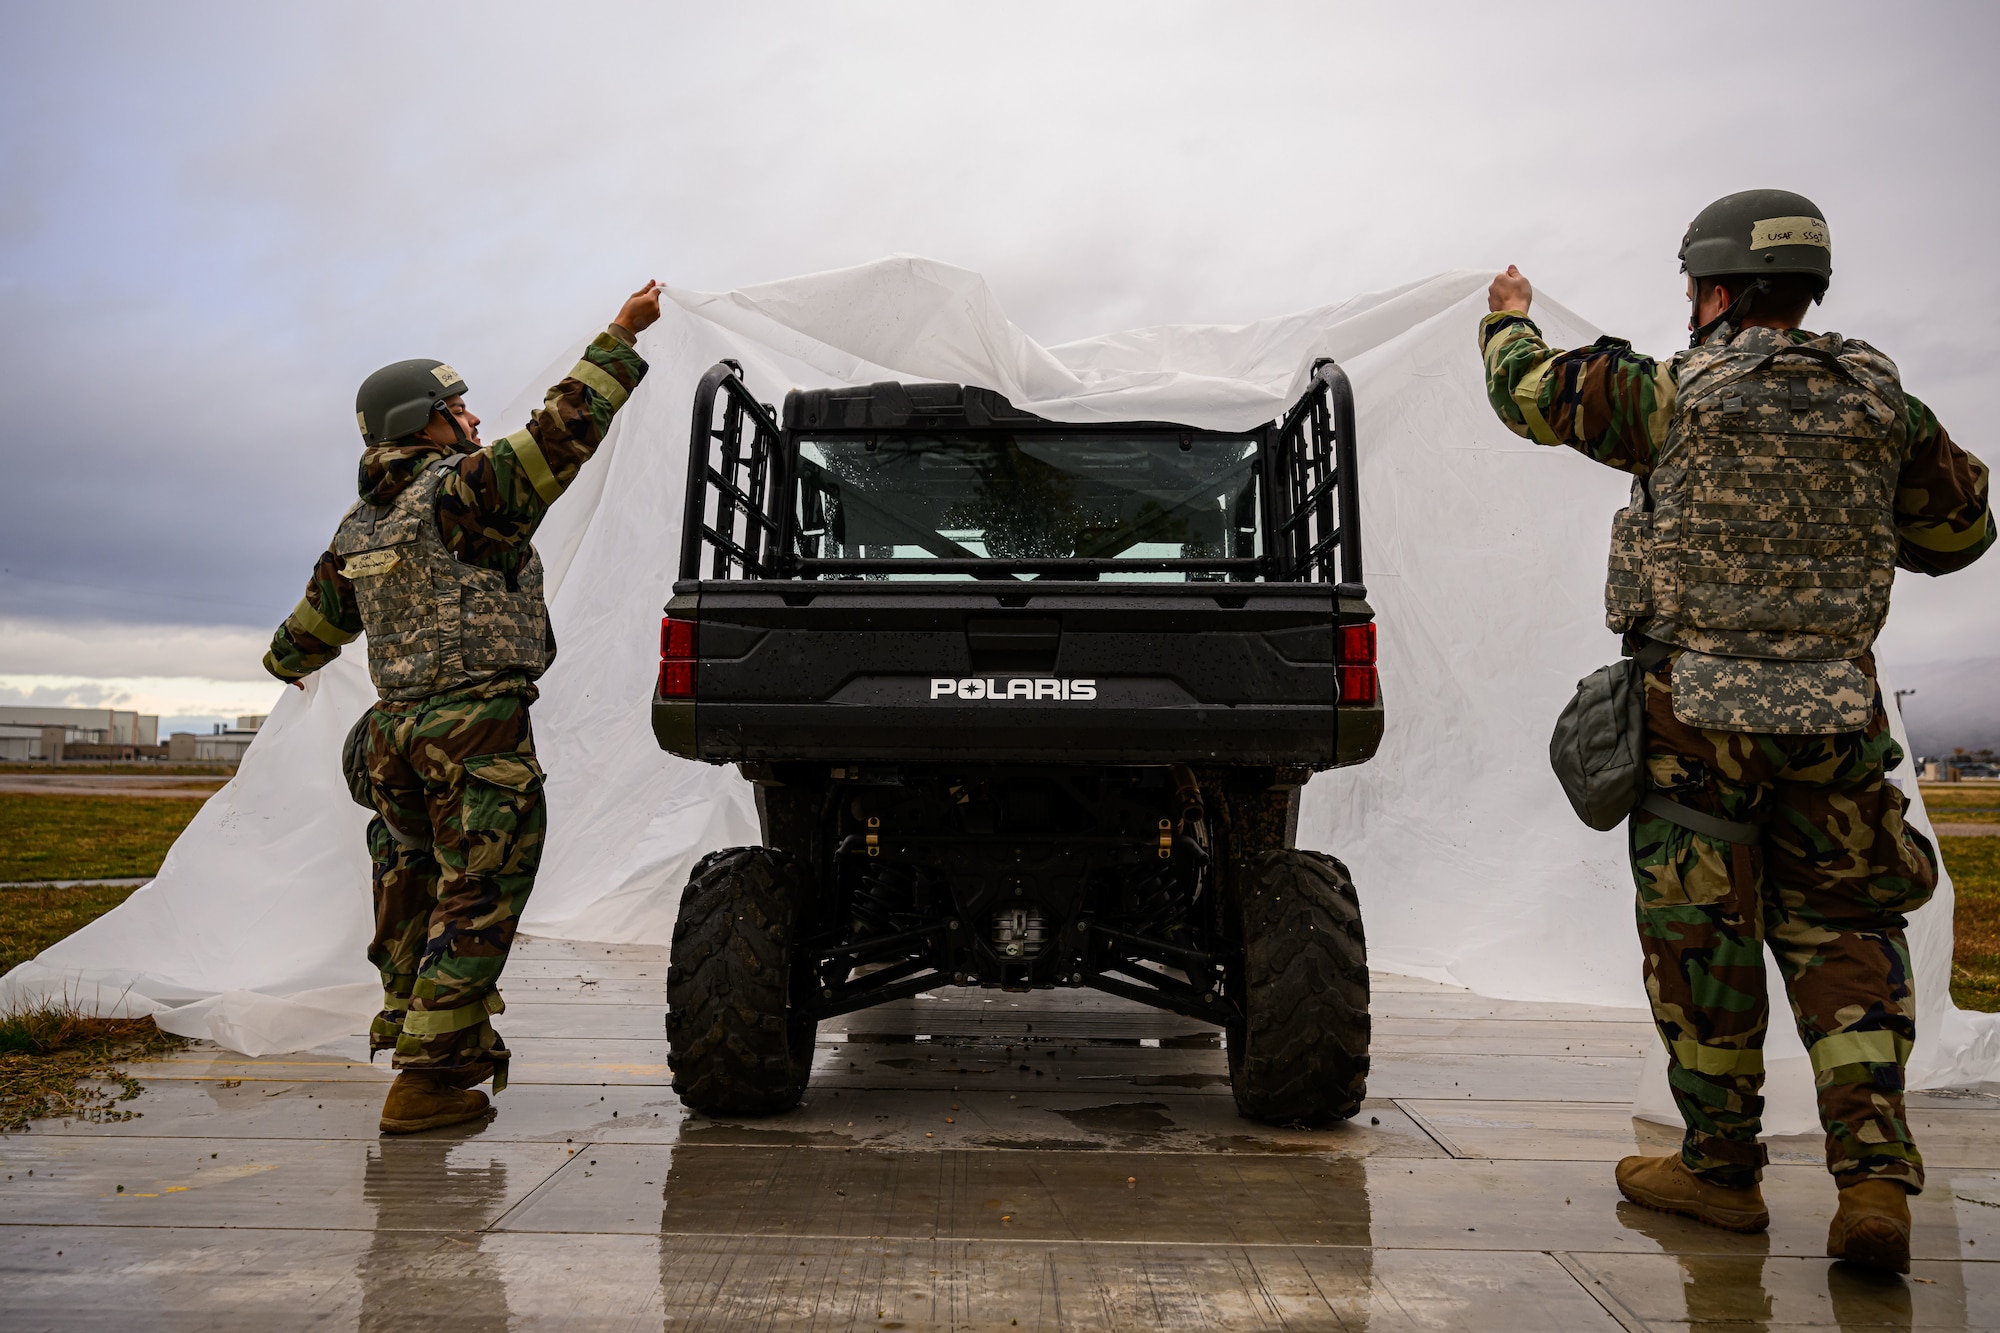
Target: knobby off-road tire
(733,1040)
(1300,1055)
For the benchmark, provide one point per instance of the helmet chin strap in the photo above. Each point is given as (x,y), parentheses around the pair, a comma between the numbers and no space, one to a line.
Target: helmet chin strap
(1738,310)
(460,442)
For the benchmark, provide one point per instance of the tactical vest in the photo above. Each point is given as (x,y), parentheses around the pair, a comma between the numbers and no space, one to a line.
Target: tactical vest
(1766,532)
(433,622)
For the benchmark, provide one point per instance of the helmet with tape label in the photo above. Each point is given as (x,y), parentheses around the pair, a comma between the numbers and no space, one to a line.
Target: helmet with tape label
(1763,232)
(399,398)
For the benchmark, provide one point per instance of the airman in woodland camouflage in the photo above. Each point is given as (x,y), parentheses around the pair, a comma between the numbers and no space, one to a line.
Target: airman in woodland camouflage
(436,566)
(1780,478)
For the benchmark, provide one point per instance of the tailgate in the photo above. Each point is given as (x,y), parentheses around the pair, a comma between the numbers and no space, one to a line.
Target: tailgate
(868,670)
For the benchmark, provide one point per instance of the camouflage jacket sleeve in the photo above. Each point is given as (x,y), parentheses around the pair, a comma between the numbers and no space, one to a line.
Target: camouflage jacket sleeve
(491,504)
(1944,519)
(326,618)
(1604,400)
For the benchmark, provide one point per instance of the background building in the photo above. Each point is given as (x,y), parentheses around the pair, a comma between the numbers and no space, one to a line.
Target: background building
(226,744)
(75,733)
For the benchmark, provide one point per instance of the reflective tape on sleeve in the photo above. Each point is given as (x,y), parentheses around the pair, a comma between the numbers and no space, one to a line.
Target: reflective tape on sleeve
(308,618)
(600,379)
(529,455)
(1665,394)
(1940,537)
(1525,395)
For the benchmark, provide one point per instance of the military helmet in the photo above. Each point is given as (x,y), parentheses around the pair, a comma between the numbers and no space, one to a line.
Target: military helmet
(1758,231)
(399,398)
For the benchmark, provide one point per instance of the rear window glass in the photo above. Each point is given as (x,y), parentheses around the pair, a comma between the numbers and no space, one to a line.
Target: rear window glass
(994,495)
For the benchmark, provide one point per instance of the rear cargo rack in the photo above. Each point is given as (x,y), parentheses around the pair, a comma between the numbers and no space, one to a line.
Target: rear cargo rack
(1316,515)
(742,462)
(734,502)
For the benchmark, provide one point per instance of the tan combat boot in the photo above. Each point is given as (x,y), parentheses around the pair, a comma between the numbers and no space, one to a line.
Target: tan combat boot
(419,1101)
(1872,1227)
(1665,1183)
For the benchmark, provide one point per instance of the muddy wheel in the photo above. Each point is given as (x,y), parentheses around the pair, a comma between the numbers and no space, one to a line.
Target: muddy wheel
(734,1040)
(1300,1053)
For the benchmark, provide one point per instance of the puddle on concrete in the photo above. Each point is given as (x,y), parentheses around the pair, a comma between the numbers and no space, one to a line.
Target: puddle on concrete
(1179,1080)
(1131,1119)
(1251,1143)
(707,1132)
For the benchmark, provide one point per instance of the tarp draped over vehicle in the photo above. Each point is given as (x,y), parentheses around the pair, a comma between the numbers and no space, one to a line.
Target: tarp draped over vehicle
(1484,556)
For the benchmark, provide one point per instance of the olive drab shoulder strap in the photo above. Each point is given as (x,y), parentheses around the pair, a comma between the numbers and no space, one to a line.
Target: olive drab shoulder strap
(1709,826)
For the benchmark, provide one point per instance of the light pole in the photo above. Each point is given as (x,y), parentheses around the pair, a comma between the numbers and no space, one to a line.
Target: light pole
(1899,714)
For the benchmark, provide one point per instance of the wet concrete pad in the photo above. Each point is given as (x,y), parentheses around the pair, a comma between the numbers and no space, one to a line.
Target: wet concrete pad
(1061,1158)
(1605,1132)
(1510,1077)
(590,1060)
(1511,1036)
(757,1282)
(443,1181)
(1159,1122)
(1662,1292)
(176,1278)
(1184,1198)
(351,1109)
(624,1113)
(254,1279)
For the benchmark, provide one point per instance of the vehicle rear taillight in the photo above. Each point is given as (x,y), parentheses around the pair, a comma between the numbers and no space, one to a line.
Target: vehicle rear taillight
(676,658)
(1355,652)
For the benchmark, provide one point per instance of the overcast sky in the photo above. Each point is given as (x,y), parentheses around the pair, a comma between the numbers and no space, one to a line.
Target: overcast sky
(216,219)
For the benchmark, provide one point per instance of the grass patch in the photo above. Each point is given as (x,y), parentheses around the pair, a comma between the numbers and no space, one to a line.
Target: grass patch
(1975,965)
(55,1063)
(76,837)
(34,918)
(1962,803)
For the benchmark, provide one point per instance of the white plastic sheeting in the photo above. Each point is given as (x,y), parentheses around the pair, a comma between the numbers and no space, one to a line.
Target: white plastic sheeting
(1484,560)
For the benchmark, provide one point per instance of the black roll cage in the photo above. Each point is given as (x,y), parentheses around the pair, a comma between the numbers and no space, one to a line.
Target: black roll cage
(742,463)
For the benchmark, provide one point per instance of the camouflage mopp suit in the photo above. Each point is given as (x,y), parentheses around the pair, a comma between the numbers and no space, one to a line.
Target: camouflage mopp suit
(1780,478)
(435,564)
(1827,888)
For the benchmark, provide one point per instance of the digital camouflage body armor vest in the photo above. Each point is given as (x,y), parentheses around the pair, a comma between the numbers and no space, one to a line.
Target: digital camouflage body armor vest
(434,623)
(1764,542)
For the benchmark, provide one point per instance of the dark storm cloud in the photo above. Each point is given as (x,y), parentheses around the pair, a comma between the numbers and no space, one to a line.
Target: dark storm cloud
(214,220)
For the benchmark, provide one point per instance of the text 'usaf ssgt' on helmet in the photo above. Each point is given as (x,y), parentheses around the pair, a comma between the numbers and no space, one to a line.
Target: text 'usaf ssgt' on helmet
(1758,231)
(398,399)
(1752,235)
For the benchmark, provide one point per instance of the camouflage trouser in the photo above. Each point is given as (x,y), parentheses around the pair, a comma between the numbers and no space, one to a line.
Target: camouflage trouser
(1827,888)
(455,776)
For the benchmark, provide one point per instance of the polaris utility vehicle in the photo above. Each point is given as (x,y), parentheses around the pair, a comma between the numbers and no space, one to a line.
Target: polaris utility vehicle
(1027,704)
